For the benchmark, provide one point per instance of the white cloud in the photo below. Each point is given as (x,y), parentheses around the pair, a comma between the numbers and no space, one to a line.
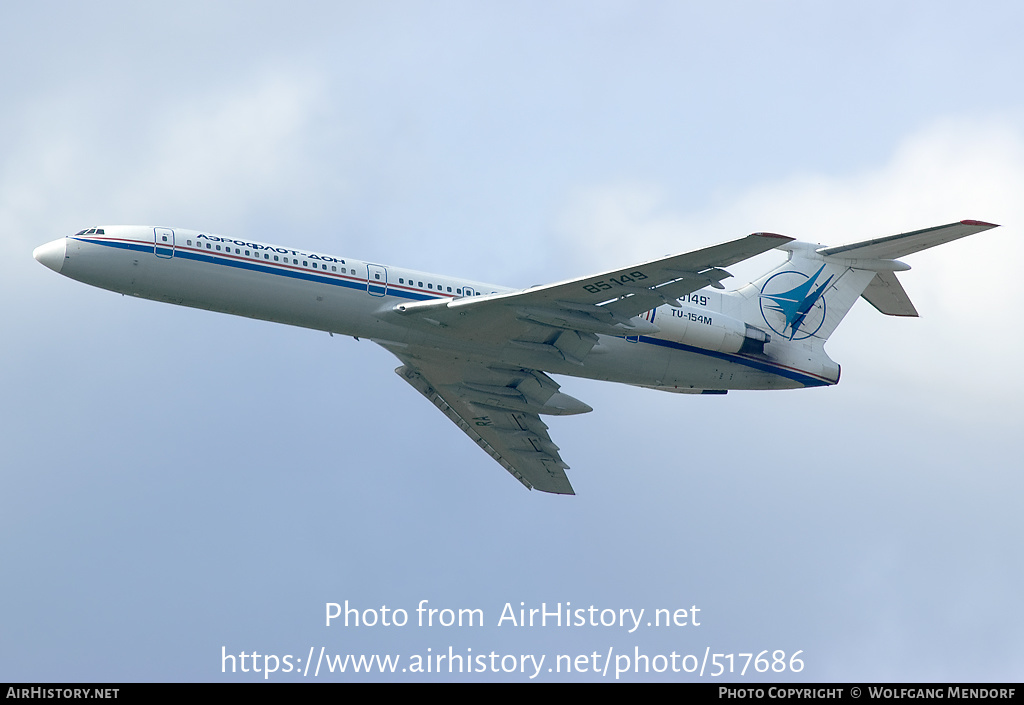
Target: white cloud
(88,154)
(949,171)
(229,151)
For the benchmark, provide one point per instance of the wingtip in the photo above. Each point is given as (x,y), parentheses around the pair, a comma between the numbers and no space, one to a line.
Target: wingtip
(980,223)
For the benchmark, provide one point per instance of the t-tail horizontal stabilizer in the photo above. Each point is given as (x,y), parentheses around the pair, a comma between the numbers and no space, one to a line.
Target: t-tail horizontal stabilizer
(885,292)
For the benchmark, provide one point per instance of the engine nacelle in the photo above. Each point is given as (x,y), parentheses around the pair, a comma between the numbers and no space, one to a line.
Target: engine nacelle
(710,330)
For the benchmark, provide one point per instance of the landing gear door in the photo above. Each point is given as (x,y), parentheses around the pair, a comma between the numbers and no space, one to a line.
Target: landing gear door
(163,242)
(376,280)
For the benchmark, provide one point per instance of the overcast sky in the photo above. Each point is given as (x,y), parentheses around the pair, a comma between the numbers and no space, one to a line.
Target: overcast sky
(177,482)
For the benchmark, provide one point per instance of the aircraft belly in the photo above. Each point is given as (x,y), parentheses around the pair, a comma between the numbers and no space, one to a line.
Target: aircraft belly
(627,362)
(642,363)
(700,371)
(650,362)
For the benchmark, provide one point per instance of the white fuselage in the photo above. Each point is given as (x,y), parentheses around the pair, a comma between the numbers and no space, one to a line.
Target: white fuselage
(357,298)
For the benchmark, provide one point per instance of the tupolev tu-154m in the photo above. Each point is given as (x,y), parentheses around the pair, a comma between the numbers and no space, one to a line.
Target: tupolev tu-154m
(482,354)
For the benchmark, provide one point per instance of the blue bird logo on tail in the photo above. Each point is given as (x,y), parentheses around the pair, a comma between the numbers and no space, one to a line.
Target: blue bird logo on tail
(795,304)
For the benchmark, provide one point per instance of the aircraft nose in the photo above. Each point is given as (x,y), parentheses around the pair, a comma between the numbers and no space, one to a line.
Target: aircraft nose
(52,254)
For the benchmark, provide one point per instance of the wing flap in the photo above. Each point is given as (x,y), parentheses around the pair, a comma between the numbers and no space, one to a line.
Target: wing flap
(494,416)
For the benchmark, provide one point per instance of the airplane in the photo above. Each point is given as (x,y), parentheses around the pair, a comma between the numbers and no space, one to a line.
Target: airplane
(483,354)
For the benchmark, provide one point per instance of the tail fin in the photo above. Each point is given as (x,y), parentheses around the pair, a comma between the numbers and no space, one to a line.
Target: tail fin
(806,297)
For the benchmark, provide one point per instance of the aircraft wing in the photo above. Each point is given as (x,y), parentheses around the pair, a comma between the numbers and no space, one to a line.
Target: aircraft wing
(634,290)
(564,318)
(498,408)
